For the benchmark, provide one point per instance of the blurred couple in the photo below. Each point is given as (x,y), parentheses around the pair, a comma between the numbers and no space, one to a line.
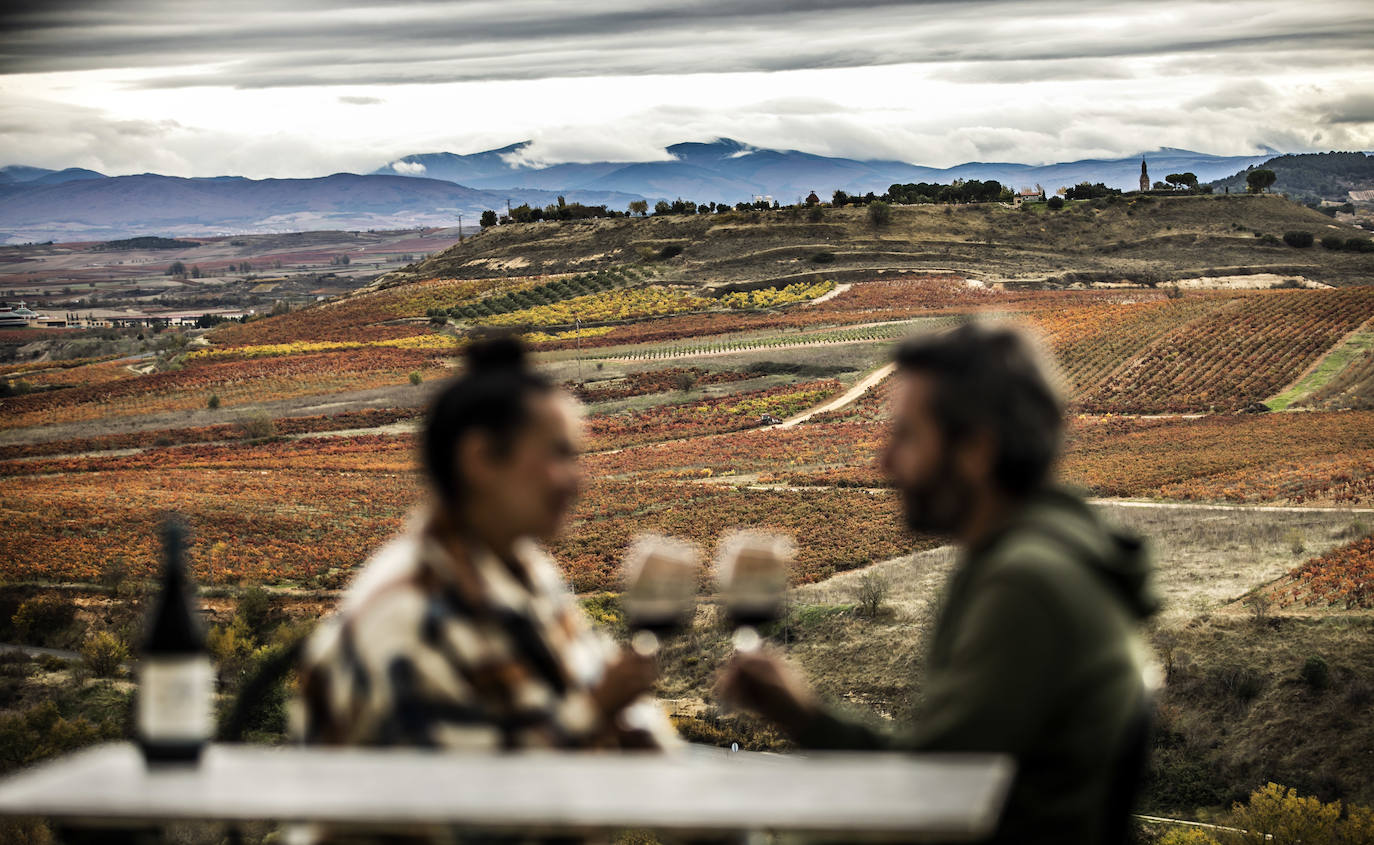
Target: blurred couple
(460,633)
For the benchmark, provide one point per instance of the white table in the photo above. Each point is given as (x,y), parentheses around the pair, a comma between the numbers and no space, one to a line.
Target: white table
(855,795)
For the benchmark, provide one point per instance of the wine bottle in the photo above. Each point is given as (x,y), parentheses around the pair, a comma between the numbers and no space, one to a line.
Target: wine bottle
(175,677)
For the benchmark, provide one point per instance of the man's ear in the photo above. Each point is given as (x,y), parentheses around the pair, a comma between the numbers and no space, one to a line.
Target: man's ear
(976,455)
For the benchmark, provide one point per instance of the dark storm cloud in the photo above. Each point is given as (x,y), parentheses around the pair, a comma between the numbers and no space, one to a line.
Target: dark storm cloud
(1353,108)
(261,45)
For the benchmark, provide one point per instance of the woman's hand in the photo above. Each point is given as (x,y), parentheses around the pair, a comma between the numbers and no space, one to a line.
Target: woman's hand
(762,681)
(627,677)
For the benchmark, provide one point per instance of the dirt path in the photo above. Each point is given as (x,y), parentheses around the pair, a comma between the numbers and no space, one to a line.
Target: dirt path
(839,289)
(850,395)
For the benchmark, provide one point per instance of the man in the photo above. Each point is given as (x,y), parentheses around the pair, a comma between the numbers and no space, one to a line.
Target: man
(1036,652)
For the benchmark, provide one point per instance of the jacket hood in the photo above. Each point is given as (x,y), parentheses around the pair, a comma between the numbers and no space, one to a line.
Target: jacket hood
(1121,558)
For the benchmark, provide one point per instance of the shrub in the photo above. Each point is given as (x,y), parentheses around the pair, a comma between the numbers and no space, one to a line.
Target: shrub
(1301,240)
(670,251)
(1315,673)
(1359,245)
(255,609)
(1333,242)
(605,609)
(1055,203)
(257,426)
(40,732)
(815,214)
(42,619)
(1259,604)
(879,214)
(213,402)
(823,258)
(230,645)
(1359,694)
(416,378)
(104,653)
(873,590)
(1269,240)
(1188,836)
(1242,682)
(1278,814)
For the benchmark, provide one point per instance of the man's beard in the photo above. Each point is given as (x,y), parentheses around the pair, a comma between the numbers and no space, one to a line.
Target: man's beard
(940,504)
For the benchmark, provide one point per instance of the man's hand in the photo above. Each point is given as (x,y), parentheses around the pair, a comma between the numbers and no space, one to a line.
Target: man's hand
(627,677)
(763,682)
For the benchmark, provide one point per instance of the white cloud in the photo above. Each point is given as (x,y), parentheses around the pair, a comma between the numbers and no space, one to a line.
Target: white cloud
(408,168)
(276,92)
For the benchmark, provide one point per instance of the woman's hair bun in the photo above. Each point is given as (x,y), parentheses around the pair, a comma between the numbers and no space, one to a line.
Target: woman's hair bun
(495,354)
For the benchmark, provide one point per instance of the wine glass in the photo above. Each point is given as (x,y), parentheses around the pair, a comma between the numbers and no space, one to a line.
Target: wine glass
(661,579)
(752,568)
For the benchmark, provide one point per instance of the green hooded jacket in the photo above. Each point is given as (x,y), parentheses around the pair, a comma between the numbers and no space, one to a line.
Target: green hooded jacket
(1036,654)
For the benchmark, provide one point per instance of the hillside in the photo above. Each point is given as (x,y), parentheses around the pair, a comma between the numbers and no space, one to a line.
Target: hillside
(1218,384)
(1141,240)
(1312,177)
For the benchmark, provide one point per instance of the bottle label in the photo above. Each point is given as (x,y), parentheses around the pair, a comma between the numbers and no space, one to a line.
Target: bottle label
(174,698)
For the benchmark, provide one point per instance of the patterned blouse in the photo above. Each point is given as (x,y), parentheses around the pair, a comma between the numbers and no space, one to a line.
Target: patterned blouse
(441,643)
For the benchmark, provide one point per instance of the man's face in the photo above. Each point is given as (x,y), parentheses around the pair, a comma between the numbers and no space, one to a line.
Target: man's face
(937,493)
(534,485)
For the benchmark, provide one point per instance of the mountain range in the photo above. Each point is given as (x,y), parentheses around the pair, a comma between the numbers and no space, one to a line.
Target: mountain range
(109,207)
(730,171)
(433,189)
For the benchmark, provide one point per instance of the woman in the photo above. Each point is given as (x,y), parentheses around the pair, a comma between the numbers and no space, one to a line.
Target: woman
(460,632)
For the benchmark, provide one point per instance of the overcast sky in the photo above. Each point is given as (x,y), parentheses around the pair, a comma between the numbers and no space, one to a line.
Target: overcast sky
(285,88)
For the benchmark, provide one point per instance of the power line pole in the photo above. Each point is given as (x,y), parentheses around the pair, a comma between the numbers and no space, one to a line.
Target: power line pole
(460,227)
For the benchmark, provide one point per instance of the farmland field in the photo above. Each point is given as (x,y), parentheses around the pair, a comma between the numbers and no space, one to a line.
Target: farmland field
(288,442)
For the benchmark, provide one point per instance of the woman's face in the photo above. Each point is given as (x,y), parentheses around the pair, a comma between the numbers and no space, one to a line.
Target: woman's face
(529,490)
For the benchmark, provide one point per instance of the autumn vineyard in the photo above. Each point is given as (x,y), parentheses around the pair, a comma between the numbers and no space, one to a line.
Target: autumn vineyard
(1232,422)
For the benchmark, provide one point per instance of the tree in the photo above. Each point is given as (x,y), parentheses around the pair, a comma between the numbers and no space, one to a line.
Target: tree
(873,590)
(662,207)
(640,207)
(1180,181)
(104,654)
(176,268)
(1090,191)
(1258,181)
(879,214)
(488,218)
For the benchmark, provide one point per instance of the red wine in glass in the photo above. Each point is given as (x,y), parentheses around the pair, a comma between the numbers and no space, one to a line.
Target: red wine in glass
(661,578)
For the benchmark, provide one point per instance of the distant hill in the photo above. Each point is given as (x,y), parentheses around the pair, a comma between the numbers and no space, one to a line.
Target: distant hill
(727,170)
(18,174)
(1309,177)
(1140,240)
(116,207)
